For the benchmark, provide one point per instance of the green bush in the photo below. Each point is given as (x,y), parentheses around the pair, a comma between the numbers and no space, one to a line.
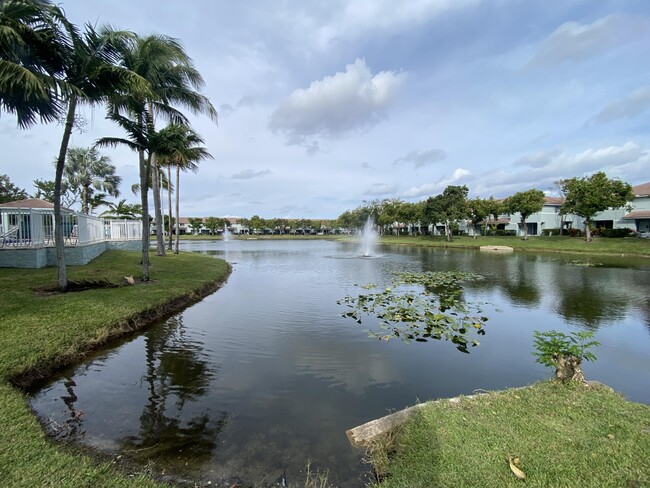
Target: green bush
(574,232)
(549,345)
(503,232)
(617,232)
(551,232)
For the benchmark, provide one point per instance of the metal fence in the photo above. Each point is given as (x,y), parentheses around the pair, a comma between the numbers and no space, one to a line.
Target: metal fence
(29,227)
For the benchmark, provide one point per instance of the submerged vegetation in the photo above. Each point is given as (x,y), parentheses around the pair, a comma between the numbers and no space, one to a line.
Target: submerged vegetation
(421,307)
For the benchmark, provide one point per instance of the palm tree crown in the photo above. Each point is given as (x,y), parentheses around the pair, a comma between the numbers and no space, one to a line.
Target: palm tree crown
(86,169)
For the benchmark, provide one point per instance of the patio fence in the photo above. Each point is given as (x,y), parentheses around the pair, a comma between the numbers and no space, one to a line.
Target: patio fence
(28,227)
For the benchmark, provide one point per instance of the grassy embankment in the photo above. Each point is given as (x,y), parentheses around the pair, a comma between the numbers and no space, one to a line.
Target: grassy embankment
(600,245)
(39,331)
(287,237)
(562,435)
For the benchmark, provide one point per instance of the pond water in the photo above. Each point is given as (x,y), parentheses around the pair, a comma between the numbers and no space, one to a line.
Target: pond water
(264,376)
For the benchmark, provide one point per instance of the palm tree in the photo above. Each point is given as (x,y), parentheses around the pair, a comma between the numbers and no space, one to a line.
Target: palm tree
(162,61)
(181,146)
(33,42)
(122,210)
(47,68)
(90,75)
(86,169)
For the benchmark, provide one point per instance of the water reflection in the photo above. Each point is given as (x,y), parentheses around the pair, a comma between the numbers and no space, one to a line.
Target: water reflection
(264,375)
(177,374)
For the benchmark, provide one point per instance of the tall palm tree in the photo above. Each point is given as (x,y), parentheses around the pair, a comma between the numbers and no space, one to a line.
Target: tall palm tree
(183,148)
(90,75)
(162,61)
(87,169)
(47,67)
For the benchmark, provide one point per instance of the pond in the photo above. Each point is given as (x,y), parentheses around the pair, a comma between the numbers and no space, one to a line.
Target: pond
(265,376)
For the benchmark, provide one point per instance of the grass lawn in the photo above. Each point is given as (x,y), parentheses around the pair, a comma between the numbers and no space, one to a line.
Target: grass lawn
(287,237)
(563,435)
(41,330)
(600,245)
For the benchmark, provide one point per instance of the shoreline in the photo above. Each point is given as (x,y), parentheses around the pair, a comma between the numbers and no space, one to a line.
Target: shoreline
(30,378)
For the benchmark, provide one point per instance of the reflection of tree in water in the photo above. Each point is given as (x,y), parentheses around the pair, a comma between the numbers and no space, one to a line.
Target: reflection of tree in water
(519,283)
(581,298)
(177,374)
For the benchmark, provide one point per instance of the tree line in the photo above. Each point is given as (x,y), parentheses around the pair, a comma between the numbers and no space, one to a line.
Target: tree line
(581,196)
(49,66)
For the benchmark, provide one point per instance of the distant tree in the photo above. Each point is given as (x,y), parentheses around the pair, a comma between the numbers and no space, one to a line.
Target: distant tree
(122,210)
(587,196)
(10,192)
(447,208)
(389,213)
(256,222)
(87,170)
(196,223)
(97,200)
(494,208)
(526,203)
(214,223)
(478,211)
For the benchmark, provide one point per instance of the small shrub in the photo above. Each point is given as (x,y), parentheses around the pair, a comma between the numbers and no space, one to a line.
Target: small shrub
(574,232)
(503,232)
(564,352)
(551,232)
(617,232)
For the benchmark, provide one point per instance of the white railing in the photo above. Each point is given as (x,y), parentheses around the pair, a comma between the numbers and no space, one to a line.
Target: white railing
(122,230)
(25,227)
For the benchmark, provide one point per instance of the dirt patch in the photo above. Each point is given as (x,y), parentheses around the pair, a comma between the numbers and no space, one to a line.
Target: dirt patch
(123,328)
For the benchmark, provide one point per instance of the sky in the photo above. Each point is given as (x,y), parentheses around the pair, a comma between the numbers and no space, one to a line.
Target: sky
(325,105)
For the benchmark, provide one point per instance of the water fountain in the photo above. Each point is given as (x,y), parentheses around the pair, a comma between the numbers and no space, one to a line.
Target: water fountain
(369,238)
(226,233)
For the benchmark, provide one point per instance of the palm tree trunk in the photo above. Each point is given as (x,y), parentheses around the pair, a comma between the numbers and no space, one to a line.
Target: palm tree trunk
(178,219)
(84,199)
(62,272)
(144,200)
(155,183)
(169,201)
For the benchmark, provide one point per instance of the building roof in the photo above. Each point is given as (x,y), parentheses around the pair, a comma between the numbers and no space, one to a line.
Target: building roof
(28,203)
(642,190)
(554,200)
(638,214)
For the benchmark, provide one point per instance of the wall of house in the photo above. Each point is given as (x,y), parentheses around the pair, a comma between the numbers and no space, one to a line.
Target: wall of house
(15,257)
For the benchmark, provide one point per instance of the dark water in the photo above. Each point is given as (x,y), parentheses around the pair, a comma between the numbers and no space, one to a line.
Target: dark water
(264,376)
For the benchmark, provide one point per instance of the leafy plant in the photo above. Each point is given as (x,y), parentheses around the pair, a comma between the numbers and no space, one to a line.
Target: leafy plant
(436,310)
(552,344)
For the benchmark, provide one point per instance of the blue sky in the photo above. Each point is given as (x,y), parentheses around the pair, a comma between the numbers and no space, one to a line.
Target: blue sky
(326,104)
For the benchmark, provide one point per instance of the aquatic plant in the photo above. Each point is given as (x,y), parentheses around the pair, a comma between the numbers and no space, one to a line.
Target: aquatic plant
(421,307)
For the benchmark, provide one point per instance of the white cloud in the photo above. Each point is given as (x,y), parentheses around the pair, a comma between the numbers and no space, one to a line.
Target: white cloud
(345,102)
(624,161)
(634,104)
(422,158)
(538,159)
(430,189)
(247,174)
(359,17)
(572,41)
(379,189)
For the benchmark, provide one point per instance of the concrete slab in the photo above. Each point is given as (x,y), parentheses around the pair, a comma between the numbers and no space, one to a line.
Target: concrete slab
(497,248)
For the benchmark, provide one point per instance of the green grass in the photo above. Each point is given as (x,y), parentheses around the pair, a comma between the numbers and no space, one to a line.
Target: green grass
(564,435)
(600,245)
(287,237)
(39,331)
